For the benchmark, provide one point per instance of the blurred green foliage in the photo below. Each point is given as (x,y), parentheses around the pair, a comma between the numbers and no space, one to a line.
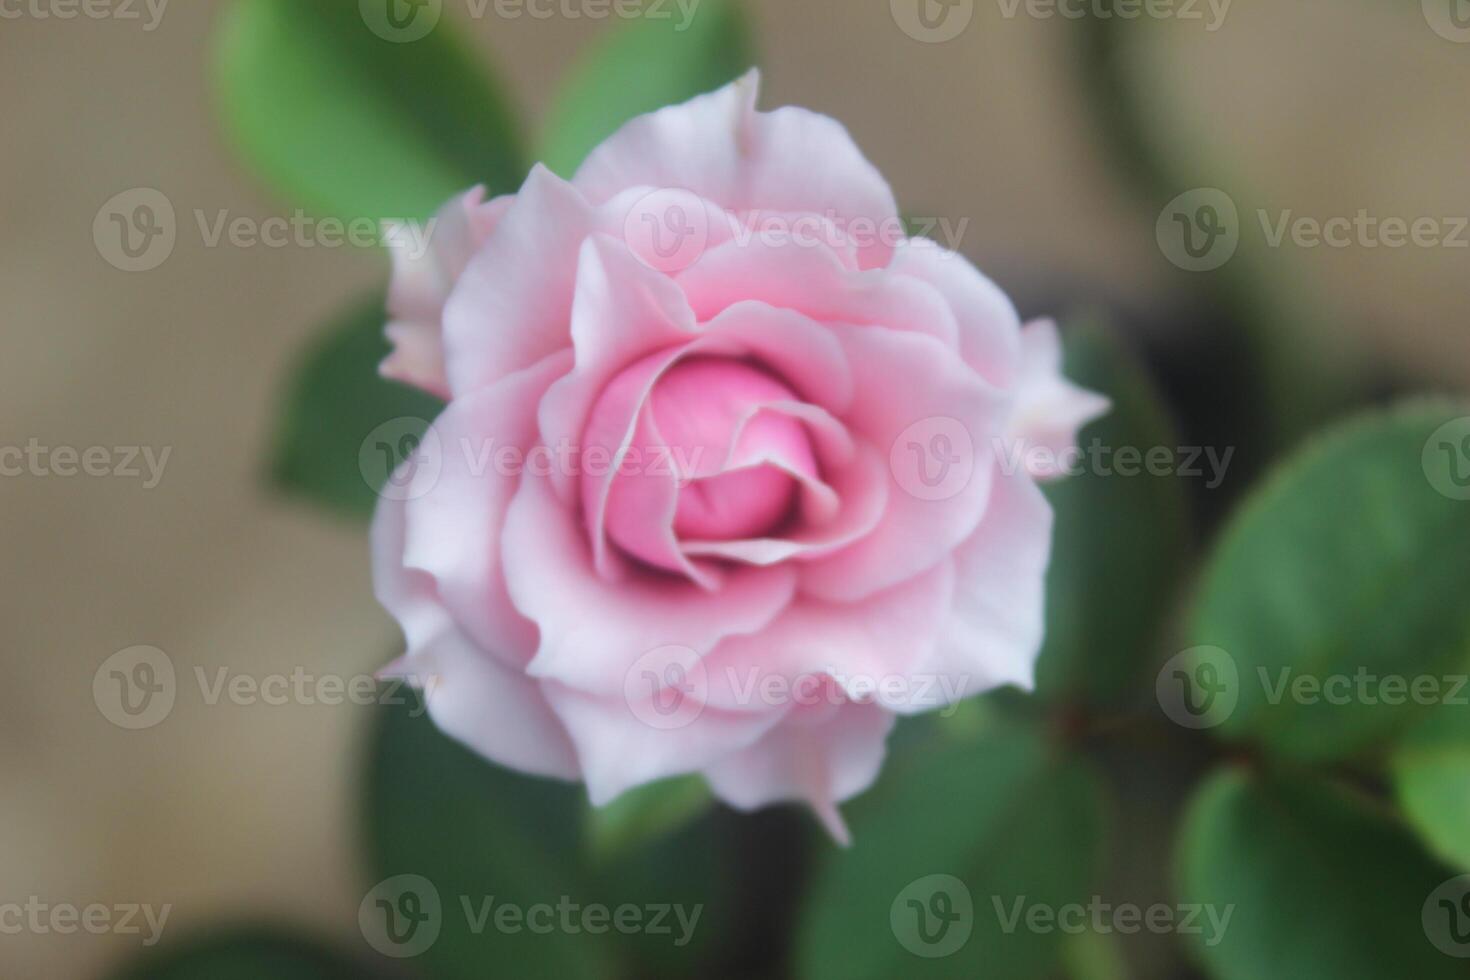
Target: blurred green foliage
(1315,832)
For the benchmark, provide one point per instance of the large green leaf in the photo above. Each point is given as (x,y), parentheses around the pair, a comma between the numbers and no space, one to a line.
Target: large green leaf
(1121,541)
(1318,885)
(1338,586)
(247,955)
(343,427)
(345,122)
(642,65)
(1431,773)
(944,850)
(474,830)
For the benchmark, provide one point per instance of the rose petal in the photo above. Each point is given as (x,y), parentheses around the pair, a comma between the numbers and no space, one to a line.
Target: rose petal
(989,328)
(512,307)
(992,634)
(871,650)
(454,528)
(593,631)
(472,696)
(720,148)
(915,532)
(619,750)
(814,282)
(1050,410)
(427,262)
(817,757)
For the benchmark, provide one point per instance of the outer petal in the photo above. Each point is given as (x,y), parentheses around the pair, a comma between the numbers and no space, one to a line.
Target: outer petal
(473,697)
(427,262)
(454,529)
(720,148)
(593,631)
(870,650)
(512,307)
(619,751)
(989,327)
(1050,410)
(993,632)
(818,756)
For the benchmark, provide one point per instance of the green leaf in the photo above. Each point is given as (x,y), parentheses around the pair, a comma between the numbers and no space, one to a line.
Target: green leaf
(346,123)
(247,955)
(475,830)
(943,851)
(643,65)
(646,813)
(1319,884)
(343,427)
(1431,774)
(1340,581)
(1121,543)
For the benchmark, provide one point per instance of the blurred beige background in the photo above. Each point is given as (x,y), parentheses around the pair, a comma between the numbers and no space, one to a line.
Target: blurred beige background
(1321,107)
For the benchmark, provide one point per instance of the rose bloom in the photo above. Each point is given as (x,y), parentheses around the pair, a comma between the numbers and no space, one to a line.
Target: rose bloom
(755,503)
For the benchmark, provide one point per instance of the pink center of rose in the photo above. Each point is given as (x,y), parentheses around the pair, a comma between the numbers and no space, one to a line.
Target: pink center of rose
(737,460)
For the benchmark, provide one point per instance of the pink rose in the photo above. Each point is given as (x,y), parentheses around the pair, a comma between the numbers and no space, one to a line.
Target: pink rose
(722,485)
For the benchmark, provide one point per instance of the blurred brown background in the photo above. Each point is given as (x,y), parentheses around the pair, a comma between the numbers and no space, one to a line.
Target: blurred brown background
(1324,108)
